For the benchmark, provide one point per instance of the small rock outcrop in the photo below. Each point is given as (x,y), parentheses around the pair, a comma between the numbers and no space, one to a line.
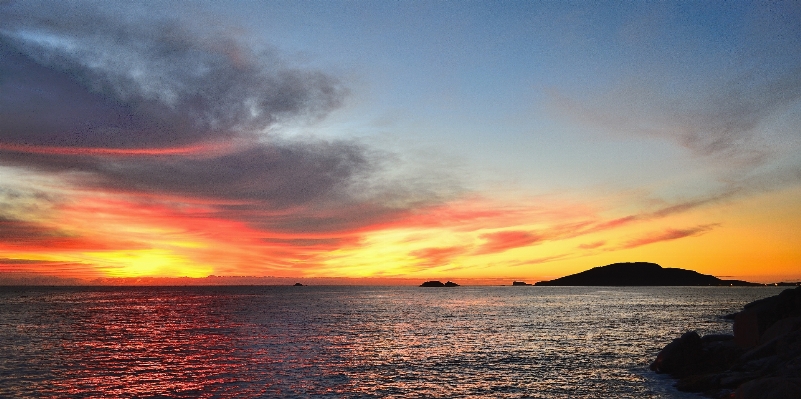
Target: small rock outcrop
(298,285)
(437,283)
(761,360)
(520,283)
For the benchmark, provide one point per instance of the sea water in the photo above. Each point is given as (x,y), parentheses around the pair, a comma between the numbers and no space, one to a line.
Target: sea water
(350,342)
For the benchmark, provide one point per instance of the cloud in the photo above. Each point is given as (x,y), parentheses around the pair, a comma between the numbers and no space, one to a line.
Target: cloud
(668,235)
(592,245)
(438,256)
(17,235)
(124,103)
(537,261)
(726,123)
(730,97)
(93,79)
(504,240)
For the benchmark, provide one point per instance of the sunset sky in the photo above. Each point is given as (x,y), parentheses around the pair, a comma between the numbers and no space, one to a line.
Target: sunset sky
(415,139)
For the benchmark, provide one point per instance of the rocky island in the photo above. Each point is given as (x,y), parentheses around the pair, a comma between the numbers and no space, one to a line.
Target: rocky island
(761,360)
(436,283)
(640,274)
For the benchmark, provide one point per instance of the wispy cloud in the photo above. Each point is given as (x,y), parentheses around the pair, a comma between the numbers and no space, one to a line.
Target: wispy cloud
(592,245)
(504,240)
(668,235)
(439,256)
(723,123)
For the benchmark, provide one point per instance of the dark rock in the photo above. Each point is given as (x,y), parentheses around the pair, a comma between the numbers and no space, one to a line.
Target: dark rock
(679,357)
(758,316)
(770,388)
(640,274)
(746,329)
(436,283)
(781,328)
(698,383)
(518,283)
(735,379)
(692,355)
(761,360)
(298,285)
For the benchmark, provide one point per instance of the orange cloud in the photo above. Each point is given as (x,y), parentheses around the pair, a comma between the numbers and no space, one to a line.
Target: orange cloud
(668,235)
(203,148)
(505,240)
(592,245)
(438,256)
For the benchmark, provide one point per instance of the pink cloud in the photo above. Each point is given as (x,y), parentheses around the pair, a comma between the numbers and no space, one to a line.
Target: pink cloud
(505,240)
(438,256)
(592,245)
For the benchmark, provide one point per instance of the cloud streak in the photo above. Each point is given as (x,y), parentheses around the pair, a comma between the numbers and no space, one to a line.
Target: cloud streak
(505,240)
(668,235)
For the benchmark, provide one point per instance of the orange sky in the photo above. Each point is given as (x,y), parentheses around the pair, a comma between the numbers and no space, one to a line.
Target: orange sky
(104,234)
(399,144)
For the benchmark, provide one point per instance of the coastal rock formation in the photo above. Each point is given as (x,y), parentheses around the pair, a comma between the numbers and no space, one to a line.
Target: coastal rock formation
(520,283)
(436,283)
(640,274)
(761,360)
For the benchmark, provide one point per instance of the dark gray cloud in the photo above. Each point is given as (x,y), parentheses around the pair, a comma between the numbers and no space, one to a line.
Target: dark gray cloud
(286,186)
(91,78)
(105,79)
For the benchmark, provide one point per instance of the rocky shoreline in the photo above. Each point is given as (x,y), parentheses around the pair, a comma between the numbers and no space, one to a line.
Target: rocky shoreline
(761,360)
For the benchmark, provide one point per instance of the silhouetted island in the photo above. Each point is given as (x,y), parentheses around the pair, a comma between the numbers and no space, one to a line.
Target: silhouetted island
(640,274)
(519,283)
(298,285)
(437,283)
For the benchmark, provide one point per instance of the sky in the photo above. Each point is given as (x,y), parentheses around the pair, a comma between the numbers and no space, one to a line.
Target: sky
(470,141)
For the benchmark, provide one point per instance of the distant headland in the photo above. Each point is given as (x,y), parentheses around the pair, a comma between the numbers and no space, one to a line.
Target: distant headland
(641,274)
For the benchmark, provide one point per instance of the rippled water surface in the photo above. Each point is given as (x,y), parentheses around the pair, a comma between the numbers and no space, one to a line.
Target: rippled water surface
(505,342)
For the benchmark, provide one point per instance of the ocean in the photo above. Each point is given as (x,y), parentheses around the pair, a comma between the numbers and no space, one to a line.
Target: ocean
(350,341)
